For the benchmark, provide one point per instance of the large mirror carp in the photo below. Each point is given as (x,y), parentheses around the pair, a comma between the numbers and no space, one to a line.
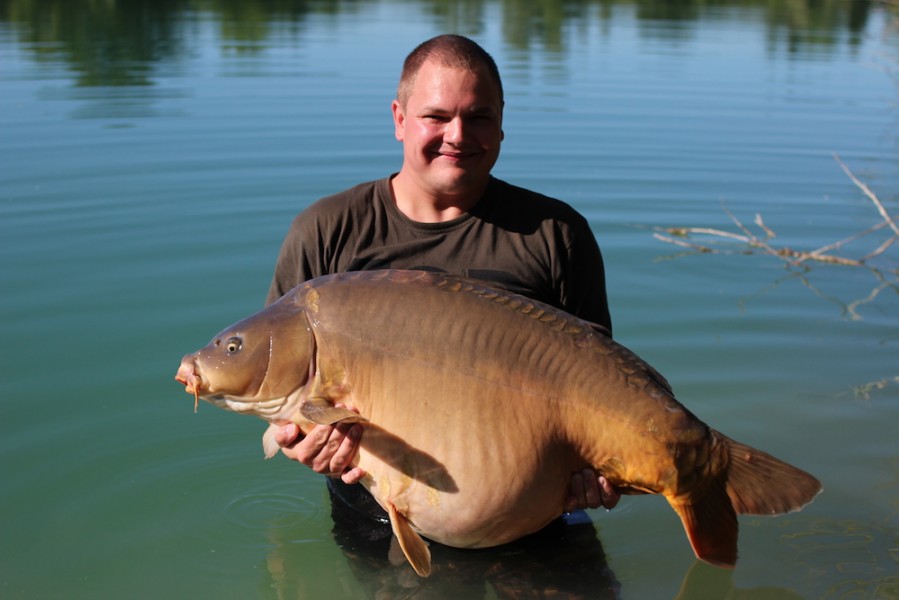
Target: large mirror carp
(477,406)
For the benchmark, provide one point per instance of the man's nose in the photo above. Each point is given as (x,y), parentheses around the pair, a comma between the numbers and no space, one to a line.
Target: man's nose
(455,130)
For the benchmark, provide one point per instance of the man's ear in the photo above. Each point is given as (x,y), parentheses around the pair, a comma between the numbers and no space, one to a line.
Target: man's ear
(399,119)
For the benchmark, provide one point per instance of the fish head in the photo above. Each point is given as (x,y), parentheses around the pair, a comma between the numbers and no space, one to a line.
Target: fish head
(256,366)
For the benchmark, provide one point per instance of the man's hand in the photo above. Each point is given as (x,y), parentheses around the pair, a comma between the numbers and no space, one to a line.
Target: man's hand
(586,490)
(329,450)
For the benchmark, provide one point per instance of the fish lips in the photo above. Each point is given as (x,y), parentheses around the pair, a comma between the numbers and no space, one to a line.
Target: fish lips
(187,375)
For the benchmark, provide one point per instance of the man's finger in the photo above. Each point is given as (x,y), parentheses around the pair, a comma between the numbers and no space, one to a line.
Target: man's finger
(346,450)
(592,497)
(287,435)
(353,475)
(325,448)
(575,492)
(308,448)
(610,495)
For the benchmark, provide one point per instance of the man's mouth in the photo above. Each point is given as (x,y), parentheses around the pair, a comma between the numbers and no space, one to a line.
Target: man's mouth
(455,155)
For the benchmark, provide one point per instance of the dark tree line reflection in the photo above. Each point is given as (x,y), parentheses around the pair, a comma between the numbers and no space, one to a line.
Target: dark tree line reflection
(123,42)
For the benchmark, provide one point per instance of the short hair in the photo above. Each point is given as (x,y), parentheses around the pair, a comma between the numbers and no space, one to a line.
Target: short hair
(449,50)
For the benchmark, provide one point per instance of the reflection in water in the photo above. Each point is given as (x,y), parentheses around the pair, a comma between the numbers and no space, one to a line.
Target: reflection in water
(705,582)
(125,42)
(848,308)
(860,556)
(561,561)
(105,43)
(564,561)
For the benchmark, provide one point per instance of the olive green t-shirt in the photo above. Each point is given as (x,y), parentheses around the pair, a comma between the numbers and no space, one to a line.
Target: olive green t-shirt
(516,239)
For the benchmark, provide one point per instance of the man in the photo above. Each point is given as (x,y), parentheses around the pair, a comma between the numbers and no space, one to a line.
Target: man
(444,211)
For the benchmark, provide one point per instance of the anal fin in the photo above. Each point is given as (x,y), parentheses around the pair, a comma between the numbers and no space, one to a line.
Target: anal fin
(413,546)
(711,525)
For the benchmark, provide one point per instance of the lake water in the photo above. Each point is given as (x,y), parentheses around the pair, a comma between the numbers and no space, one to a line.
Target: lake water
(152,155)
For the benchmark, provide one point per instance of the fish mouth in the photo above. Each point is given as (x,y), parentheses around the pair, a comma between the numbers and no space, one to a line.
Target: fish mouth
(187,375)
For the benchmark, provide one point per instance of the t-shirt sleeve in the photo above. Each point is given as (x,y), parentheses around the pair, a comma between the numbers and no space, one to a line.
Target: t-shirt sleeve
(316,241)
(294,265)
(584,285)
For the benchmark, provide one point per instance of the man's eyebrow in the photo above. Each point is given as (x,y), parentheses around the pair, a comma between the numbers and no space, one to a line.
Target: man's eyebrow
(474,110)
(432,109)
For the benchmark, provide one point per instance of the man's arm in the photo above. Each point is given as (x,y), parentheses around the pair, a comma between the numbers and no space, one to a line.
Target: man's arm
(583,286)
(584,292)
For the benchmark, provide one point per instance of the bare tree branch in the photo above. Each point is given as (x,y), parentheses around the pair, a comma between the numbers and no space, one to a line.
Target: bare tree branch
(681,236)
(869,194)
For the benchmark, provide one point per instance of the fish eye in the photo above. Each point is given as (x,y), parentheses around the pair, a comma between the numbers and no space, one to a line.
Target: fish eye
(233,345)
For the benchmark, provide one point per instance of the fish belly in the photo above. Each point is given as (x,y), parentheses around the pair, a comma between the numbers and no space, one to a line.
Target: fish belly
(478,467)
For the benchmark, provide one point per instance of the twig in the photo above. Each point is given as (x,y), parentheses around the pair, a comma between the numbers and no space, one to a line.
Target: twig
(880,249)
(844,241)
(784,254)
(686,231)
(763,227)
(664,238)
(869,194)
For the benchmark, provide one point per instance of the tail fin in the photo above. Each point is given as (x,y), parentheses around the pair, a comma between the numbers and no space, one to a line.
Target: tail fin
(759,484)
(753,483)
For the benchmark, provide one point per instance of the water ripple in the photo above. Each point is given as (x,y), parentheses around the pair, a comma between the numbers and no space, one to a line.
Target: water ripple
(257,508)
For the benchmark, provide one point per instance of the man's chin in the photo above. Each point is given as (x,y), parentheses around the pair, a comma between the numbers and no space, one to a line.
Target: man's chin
(458,181)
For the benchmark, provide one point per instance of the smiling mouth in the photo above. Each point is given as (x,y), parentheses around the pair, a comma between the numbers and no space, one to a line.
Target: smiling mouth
(455,156)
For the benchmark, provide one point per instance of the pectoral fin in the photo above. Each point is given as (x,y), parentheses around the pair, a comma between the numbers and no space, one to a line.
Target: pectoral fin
(322,412)
(415,548)
(269,445)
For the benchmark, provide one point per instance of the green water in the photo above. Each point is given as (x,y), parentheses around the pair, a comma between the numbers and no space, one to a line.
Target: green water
(152,155)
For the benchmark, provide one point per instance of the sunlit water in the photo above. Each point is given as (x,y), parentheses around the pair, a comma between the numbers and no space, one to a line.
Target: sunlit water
(151,161)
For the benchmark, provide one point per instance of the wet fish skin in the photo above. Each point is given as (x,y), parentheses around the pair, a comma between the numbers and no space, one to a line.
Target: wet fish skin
(478,404)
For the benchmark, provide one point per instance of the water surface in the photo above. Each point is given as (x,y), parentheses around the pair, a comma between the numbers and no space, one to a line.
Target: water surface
(152,155)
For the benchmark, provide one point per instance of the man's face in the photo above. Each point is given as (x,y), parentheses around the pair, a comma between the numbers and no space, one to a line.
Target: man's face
(451,129)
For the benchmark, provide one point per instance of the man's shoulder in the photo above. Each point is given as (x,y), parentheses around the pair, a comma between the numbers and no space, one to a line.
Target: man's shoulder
(337,211)
(526,203)
(347,201)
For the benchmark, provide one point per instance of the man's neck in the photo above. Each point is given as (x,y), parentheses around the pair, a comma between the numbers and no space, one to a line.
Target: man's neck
(424,207)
